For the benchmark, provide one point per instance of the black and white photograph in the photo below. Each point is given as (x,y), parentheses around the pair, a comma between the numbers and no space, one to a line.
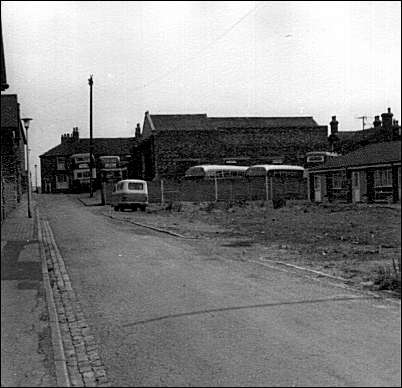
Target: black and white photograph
(200,193)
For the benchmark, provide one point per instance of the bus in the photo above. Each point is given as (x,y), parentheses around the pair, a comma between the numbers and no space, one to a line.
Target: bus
(80,164)
(215,171)
(110,169)
(280,181)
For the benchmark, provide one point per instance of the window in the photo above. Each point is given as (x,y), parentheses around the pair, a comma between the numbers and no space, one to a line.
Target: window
(61,178)
(135,186)
(383,178)
(61,163)
(338,180)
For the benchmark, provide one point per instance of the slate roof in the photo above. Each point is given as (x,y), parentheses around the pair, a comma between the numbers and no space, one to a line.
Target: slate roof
(169,122)
(203,122)
(261,122)
(102,146)
(378,153)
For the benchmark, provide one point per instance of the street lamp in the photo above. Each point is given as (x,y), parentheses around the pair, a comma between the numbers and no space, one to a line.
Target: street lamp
(26,122)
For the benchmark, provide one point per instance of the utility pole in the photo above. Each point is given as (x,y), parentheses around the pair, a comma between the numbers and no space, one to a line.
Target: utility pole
(36,178)
(363,118)
(90,82)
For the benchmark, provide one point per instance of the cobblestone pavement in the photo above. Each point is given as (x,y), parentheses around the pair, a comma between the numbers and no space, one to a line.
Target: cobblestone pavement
(84,366)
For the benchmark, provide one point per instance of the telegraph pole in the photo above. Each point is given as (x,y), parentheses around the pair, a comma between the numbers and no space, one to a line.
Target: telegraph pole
(90,82)
(36,178)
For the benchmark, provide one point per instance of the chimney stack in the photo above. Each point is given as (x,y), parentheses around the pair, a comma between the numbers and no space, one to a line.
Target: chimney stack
(387,119)
(377,122)
(75,136)
(138,131)
(334,125)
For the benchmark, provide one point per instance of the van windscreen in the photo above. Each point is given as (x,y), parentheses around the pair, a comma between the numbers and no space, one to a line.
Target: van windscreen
(135,186)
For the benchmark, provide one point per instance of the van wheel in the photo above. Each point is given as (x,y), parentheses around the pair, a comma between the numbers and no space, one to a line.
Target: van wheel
(116,208)
(143,208)
(134,208)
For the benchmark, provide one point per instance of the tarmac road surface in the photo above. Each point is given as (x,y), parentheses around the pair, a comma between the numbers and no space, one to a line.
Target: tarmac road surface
(165,312)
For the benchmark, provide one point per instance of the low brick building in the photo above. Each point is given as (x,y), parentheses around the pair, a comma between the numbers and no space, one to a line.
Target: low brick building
(170,144)
(368,174)
(56,174)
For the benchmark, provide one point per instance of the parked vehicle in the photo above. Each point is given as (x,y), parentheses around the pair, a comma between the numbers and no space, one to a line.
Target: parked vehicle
(130,193)
(212,171)
(81,172)
(281,181)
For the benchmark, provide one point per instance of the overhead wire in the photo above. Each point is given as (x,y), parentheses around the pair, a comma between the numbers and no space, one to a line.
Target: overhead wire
(194,57)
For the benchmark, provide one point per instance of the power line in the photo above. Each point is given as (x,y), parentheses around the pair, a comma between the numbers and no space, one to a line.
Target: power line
(227,31)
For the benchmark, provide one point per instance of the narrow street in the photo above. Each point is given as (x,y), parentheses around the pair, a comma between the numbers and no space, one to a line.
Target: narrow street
(165,313)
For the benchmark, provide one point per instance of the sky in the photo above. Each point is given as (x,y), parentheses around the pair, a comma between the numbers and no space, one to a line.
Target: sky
(250,58)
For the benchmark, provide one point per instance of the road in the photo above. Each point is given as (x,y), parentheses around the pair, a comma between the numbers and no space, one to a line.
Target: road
(167,312)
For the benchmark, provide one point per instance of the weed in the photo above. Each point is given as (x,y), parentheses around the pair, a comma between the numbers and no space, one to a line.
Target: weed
(389,277)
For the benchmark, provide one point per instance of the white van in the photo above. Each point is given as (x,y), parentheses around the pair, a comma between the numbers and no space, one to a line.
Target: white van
(130,193)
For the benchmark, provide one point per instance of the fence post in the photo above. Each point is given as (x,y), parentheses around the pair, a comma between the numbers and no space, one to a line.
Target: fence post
(216,189)
(266,188)
(271,187)
(162,193)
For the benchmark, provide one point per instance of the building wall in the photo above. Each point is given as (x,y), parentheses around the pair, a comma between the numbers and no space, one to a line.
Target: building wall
(12,171)
(176,150)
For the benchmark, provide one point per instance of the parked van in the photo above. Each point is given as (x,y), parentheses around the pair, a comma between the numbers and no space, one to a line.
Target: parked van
(130,193)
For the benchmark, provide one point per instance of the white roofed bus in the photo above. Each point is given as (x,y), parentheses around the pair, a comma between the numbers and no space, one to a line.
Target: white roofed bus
(280,181)
(212,171)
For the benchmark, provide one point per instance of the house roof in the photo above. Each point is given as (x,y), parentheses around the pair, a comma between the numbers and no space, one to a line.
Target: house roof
(203,122)
(378,153)
(261,122)
(101,146)
(191,121)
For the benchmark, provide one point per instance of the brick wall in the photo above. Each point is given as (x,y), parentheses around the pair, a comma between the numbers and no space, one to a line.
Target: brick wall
(176,150)
(12,174)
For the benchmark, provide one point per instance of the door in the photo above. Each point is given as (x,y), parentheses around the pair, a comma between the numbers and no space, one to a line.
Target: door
(317,188)
(356,186)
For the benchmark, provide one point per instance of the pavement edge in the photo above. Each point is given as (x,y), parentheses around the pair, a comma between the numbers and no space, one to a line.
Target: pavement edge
(62,377)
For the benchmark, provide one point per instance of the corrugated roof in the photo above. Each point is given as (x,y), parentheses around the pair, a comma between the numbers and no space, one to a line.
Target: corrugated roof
(203,122)
(379,153)
(102,146)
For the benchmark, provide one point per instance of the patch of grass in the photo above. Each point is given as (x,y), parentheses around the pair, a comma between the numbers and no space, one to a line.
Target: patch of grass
(388,277)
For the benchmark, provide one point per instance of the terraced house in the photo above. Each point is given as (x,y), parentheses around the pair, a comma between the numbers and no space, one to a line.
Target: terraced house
(13,141)
(55,164)
(368,174)
(170,144)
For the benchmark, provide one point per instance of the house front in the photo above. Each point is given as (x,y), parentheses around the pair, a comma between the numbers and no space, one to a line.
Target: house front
(369,174)
(57,172)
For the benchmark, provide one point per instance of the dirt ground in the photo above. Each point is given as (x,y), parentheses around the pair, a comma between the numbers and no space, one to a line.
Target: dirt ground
(360,243)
